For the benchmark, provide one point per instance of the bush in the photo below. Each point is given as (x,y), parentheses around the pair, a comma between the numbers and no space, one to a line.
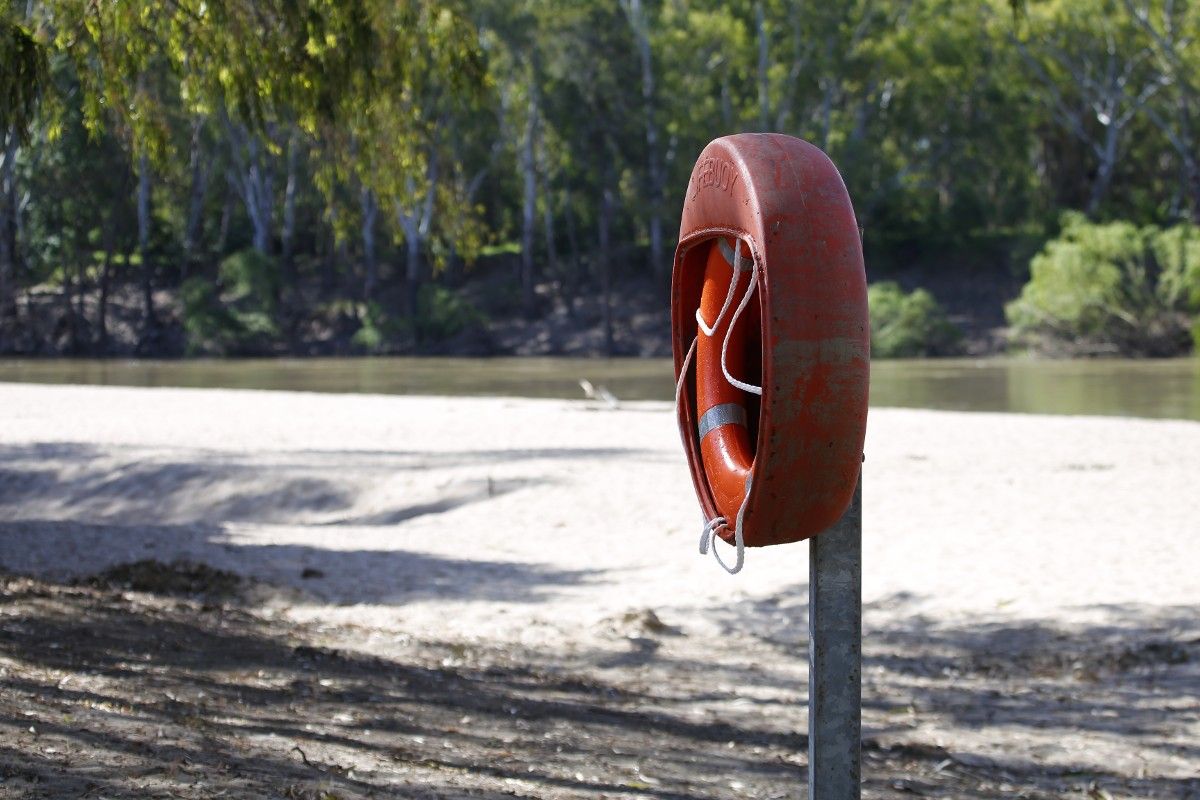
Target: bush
(252,279)
(1110,288)
(908,325)
(213,328)
(442,313)
(206,323)
(379,329)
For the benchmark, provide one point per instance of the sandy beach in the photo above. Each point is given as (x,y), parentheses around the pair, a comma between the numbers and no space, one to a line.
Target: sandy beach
(1010,560)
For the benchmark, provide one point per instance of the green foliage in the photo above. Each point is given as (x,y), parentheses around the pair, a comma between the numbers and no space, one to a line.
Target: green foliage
(379,330)
(208,325)
(443,313)
(1177,254)
(366,143)
(215,328)
(24,73)
(1111,288)
(908,325)
(252,279)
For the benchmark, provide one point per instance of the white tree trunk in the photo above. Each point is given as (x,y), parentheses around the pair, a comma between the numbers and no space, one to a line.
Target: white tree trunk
(251,178)
(288,233)
(149,320)
(370,212)
(529,204)
(200,168)
(654,169)
(764,78)
(8,223)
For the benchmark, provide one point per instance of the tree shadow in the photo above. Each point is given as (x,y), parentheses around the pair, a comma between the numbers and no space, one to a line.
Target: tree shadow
(347,576)
(133,696)
(176,695)
(128,485)
(1130,675)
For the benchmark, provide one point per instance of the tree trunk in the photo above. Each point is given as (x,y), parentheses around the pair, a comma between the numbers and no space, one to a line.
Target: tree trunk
(105,278)
(764,86)
(200,168)
(605,224)
(1191,165)
(548,230)
(330,260)
(412,282)
(573,245)
(259,198)
(828,85)
(654,170)
(529,205)
(8,227)
(226,219)
(1104,171)
(785,109)
(370,211)
(288,234)
(149,320)
(251,178)
(416,225)
(726,106)
(68,319)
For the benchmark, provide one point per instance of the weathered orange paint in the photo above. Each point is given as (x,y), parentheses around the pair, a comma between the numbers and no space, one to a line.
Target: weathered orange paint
(726,452)
(786,201)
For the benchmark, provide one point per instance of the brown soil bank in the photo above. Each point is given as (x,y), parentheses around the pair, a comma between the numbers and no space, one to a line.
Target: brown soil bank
(568,322)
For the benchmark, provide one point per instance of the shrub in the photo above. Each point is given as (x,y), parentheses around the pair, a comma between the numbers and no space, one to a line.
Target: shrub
(213,328)
(379,329)
(206,323)
(442,313)
(1110,288)
(908,325)
(251,278)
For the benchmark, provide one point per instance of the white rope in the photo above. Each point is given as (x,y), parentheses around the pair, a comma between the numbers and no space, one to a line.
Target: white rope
(708,534)
(710,526)
(745,387)
(737,271)
(687,362)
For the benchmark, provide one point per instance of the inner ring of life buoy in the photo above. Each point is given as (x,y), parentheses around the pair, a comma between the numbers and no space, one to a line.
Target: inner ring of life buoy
(726,412)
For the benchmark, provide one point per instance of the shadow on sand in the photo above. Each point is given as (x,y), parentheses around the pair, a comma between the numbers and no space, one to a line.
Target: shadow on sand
(144,695)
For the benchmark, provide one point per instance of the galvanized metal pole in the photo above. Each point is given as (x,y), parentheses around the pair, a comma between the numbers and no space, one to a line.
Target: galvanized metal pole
(835,658)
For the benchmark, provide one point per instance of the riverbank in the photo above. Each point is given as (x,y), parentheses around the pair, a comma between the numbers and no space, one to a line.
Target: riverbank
(479,317)
(500,573)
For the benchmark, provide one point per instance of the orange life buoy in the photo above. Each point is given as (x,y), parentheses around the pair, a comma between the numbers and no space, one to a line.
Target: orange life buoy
(780,467)
(723,427)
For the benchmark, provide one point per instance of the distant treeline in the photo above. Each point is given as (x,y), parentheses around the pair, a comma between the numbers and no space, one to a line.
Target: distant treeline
(259,172)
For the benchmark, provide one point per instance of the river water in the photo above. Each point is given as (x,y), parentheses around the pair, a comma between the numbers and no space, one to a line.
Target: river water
(1144,388)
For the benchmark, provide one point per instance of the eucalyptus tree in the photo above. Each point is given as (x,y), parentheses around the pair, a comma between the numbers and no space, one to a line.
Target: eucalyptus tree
(590,97)
(1172,34)
(268,67)
(24,78)
(1096,76)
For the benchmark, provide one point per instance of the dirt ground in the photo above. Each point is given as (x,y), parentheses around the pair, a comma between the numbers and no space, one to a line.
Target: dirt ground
(108,690)
(277,595)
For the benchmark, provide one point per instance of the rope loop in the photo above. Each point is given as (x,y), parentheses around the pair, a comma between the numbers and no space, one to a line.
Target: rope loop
(708,534)
(708,537)
(750,287)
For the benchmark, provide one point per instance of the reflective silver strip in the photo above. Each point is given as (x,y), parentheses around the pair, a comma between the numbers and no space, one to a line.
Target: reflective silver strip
(724,414)
(727,251)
